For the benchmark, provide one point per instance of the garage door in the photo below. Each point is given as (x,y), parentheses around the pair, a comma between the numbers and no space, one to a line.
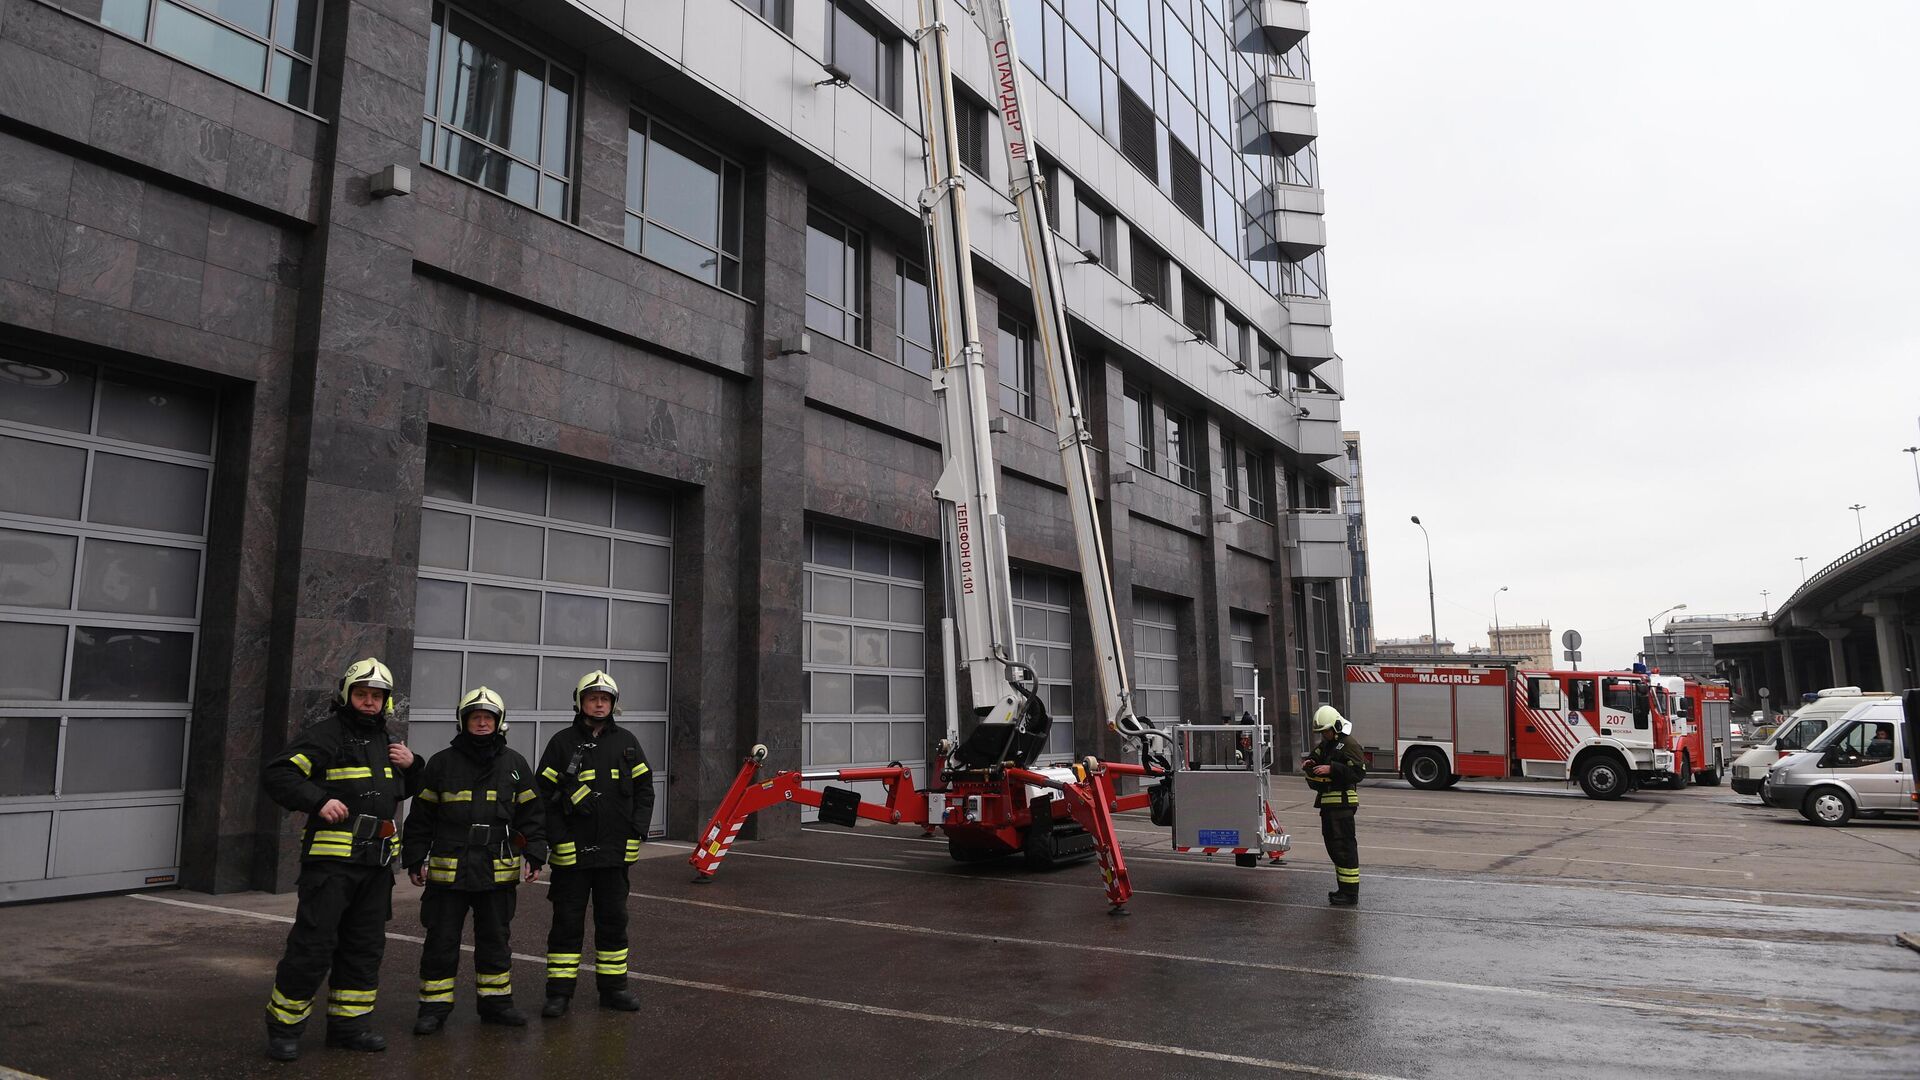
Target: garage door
(530,577)
(104,480)
(863,652)
(1043,616)
(1156,659)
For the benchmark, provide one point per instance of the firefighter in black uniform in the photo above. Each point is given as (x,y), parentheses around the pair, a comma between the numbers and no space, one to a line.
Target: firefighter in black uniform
(598,791)
(348,776)
(475,829)
(1335,767)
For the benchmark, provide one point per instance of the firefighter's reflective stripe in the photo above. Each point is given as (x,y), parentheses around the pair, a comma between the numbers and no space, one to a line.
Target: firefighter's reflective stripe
(563,854)
(350,1003)
(633,850)
(428,795)
(303,763)
(526,795)
(436,990)
(286,1010)
(579,793)
(611,962)
(331,842)
(552,777)
(640,770)
(588,774)
(1348,875)
(456,796)
(496,984)
(1348,797)
(441,869)
(506,871)
(351,772)
(563,965)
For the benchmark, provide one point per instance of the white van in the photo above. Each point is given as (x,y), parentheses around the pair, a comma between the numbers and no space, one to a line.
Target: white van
(1796,732)
(1860,763)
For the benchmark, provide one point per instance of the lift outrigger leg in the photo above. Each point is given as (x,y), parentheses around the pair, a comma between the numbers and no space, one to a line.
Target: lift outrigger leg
(750,794)
(1090,802)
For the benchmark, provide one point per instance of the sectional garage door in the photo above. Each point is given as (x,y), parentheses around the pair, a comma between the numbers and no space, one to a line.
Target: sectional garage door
(104,481)
(530,577)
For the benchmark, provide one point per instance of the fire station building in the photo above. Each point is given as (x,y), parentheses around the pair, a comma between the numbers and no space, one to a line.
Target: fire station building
(507,340)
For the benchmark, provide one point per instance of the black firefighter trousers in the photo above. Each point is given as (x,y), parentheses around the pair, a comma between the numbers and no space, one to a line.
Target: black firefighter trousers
(1343,845)
(443,911)
(340,927)
(570,890)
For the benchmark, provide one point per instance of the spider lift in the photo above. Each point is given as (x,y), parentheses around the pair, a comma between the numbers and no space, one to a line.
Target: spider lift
(985,792)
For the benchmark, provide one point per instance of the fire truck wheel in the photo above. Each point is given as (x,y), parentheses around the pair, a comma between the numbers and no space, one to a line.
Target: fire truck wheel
(1708,777)
(1683,775)
(1426,770)
(1827,806)
(1603,777)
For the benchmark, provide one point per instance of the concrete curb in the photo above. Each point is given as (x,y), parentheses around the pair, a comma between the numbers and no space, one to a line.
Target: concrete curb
(1906,937)
(15,1074)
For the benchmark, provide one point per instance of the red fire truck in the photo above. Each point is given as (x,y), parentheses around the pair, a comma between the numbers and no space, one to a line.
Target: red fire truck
(1701,727)
(1485,717)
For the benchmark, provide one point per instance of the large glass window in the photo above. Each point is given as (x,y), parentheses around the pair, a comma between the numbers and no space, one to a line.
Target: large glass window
(498,113)
(836,279)
(683,203)
(531,576)
(264,45)
(863,650)
(1234,467)
(1016,368)
(1243,654)
(869,55)
(1156,658)
(774,11)
(1181,449)
(913,319)
(1043,614)
(1095,226)
(1139,425)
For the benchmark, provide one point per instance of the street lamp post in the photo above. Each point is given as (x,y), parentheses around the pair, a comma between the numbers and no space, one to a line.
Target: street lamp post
(1858,527)
(1765,605)
(1914,453)
(1496,620)
(1433,619)
(1802,560)
(1676,607)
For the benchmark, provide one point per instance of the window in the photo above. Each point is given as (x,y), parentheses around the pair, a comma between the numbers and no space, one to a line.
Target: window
(1138,139)
(1196,307)
(1042,615)
(1050,176)
(863,650)
(1094,225)
(1189,190)
(975,123)
(1181,454)
(1270,364)
(1244,655)
(836,279)
(1258,485)
(869,56)
(498,113)
(1234,469)
(1326,630)
(1865,742)
(1156,658)
(1306,278)
(913,319)
(774,11)
(1152,276)
(1016,368)
(1580,695)
(683,203)
(264,45)
(1139,421)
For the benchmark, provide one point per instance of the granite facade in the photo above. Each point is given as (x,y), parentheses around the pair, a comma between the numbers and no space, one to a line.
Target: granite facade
(155,217)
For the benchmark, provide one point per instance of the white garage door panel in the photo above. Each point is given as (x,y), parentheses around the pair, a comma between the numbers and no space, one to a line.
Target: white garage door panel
(23,846)
(117,838)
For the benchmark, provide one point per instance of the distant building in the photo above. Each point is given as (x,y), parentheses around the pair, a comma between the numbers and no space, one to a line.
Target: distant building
(1416,646)
(1533,643)
(1680,654)
(1353,503)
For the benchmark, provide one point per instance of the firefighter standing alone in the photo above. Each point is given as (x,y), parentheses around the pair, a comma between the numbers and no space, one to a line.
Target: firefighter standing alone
(348,777)
(1334,767)
(598,791)
(475,829)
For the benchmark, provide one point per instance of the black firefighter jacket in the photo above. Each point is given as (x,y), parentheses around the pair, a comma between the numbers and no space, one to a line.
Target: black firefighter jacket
(599,796)
(1349,766)
(476,817)
(343,757)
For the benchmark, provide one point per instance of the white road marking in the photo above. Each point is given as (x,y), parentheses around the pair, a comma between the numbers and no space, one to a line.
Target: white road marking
(1189,1053)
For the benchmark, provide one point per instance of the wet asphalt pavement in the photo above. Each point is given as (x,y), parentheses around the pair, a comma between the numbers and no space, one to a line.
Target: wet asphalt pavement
(1689,933)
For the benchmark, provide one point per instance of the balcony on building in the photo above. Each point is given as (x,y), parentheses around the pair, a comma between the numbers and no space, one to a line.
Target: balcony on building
(1291,223)
(1276,116)
(1317,544)
(1318,425)
(1272,26)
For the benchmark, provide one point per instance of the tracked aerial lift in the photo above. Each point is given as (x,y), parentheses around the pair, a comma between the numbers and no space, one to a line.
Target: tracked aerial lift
(985,792)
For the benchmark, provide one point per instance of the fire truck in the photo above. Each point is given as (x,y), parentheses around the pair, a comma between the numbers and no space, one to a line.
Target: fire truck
(1700,727)
(985,791)
(1437,722)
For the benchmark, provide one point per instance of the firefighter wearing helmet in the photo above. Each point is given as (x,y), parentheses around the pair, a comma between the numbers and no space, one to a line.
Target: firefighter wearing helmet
(475,831)
(598,791)
(1334,768)
(348,775)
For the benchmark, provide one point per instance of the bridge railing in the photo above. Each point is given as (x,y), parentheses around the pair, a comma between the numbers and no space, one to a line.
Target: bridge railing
(1831,568)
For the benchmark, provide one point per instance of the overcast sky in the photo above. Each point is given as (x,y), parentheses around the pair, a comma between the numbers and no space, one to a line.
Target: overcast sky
(1628,298)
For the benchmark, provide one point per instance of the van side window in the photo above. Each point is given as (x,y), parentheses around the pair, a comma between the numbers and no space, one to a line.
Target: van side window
(1544,693)
(1865,742)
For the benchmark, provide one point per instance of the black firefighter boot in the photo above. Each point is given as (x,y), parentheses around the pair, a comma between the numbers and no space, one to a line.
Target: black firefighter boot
(361,1039)
(622,999)
(430,1021)
(283,1047)
(556,1006)
(1345,896)
(504,1014)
